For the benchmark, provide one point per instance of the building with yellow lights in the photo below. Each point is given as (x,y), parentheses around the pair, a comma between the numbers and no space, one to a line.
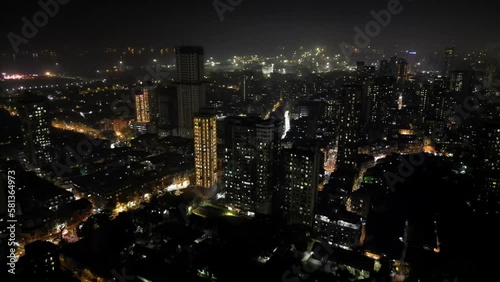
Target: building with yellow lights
(205,147)
(143,105)
(145,110)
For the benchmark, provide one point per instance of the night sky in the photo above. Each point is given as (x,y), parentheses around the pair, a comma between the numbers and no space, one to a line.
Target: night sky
(255,26)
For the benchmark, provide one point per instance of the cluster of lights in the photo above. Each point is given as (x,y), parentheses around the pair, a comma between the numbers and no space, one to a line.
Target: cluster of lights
(50,86)
(17,76)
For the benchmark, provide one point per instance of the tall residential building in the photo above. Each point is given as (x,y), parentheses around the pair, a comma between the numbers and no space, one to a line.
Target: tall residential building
(367,79)
(423,94)
(168,116)
(306,126)
(349,126)
(368,74)
(385,68)
(146,109)
(302,170)
(33,111)
(490,194)
(402,70)
(205,147)
(393,61)
(383,101)
(440,100)
(449,57)
(144,105)
(359,67)
(412,61)
(250,86)
(251,162)
(408,113)
(461,84)
(191,89)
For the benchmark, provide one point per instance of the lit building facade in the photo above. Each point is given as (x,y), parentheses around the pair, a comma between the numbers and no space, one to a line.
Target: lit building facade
(344,230)
(251,162)
(349,126)
(440,100)
(205,148)
(382,101)
(146,110)
(33,111)
(143,105)
(302,170)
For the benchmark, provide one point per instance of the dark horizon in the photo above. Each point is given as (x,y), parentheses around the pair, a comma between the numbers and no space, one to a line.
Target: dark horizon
(255,26)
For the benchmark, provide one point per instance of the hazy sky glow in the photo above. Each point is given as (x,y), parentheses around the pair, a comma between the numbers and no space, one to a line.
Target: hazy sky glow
(256,25)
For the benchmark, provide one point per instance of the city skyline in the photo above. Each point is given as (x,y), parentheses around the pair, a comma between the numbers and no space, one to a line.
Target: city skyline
(242,141)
